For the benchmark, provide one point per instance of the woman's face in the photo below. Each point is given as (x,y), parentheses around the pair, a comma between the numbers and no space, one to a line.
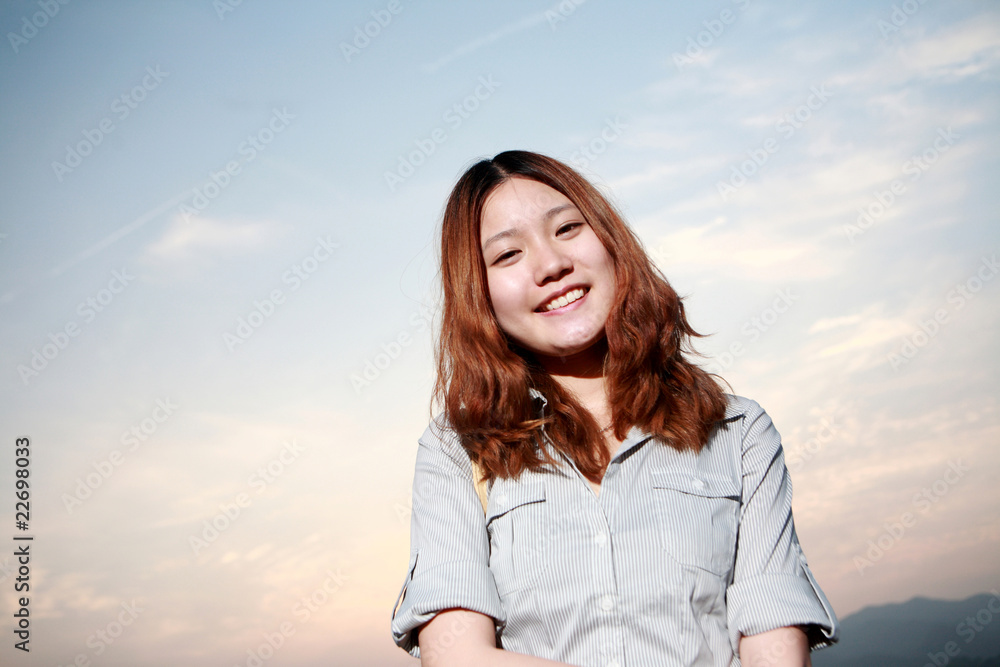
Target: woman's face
(550,279)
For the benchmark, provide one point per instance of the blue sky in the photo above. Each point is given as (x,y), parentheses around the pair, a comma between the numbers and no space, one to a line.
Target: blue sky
(226,302)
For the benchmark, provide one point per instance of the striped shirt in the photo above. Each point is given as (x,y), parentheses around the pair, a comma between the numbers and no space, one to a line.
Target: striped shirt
(678,556)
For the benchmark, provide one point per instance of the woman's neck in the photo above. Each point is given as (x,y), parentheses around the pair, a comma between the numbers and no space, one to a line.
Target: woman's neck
(583,376)
(592,393)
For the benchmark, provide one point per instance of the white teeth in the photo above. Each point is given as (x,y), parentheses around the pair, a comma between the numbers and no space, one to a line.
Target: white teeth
(565,299)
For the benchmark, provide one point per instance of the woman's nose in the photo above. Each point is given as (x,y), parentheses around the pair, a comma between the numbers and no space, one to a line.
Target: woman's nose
(551,263)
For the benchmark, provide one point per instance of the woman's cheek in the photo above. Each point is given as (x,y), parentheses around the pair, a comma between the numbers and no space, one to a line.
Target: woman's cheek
(509,300)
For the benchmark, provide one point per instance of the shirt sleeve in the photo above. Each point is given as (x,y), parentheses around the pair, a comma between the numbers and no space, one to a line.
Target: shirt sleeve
(772,584)
(449,544)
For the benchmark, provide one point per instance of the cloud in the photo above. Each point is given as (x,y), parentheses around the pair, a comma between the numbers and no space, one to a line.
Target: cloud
(834,322)
(114,236)
(864,338)
(752,249)
(202,236)
(956,52)
(474,45)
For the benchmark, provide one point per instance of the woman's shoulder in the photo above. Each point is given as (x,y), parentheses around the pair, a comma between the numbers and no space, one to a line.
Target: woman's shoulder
(440,436)
(747,418)
(740,406)
(751,425)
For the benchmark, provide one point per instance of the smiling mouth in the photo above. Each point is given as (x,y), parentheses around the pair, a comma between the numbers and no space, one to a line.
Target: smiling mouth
(563,300)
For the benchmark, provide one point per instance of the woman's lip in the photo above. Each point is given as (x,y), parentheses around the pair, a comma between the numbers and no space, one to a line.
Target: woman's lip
(569,306)
(563,292)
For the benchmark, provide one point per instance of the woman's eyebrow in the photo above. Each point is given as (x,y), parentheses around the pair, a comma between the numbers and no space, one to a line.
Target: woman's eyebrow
(556,210)
(514,231)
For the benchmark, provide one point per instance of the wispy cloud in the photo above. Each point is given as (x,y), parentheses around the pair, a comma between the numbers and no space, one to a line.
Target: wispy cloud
(527,23)
(125,230)
(183,240)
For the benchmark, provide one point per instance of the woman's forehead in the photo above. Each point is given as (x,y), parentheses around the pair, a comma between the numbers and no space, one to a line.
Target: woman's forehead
(522,200)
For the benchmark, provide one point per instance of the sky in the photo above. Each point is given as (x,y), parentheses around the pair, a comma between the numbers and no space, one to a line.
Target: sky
(218,286)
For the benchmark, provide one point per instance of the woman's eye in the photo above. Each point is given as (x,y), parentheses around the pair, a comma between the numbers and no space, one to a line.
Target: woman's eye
(569,227)
(504,256)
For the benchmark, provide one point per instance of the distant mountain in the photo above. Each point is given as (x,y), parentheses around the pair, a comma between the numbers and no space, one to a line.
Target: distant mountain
(919,633)
(873,661)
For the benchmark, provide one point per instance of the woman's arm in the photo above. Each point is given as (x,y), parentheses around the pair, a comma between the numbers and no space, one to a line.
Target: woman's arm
(772,586)
(449,542)
(457,637)
(782,647)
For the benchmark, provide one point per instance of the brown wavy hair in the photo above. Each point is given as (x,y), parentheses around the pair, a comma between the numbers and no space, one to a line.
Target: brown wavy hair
(484,376)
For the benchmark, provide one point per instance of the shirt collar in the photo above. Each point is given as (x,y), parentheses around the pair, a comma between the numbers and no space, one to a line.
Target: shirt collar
(734,407)
(538,398)
(636,436)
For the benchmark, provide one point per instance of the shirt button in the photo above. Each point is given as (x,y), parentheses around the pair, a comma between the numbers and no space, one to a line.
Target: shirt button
(613,663)
(502,499)
(601,539)
(607,603)
(698,484)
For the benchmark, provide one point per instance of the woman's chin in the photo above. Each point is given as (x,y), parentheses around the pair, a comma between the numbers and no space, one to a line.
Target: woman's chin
(568,357)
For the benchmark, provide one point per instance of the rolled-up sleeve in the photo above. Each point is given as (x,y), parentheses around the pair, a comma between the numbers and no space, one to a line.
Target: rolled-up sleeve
(772,585)
(449,545)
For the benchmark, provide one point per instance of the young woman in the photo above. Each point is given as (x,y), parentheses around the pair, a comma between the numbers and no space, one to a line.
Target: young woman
(635,514)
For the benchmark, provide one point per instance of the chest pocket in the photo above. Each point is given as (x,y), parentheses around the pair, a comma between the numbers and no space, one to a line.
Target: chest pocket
(698,516)
(516,521)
